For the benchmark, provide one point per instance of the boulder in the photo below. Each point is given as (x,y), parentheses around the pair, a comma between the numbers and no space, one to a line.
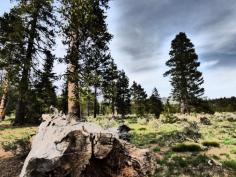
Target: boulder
(123,132)
(205,121)
(66,148)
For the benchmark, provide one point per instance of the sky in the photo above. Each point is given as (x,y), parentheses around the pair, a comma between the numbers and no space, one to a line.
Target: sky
(143,31)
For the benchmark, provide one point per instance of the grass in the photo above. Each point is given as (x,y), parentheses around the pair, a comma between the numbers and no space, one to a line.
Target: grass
(157,149)
(230,141)
(178,155)
(10,133)
(230,164)
(233,151)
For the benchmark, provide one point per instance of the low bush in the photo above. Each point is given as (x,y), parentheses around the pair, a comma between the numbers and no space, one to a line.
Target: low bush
(210,144)
(19,147)
(186,148)
(156,149)
(233,151)
(170,119)
(230,164)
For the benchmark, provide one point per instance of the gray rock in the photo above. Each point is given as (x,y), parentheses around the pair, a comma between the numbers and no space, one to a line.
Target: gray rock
(205,121)
(67,148)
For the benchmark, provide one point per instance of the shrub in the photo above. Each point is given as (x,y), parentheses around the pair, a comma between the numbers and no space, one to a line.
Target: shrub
(170,119)
(142,121)
(156,149)
(186,148)
(230,164)
(19,147)
(233,151)
(154,124)
(211,144)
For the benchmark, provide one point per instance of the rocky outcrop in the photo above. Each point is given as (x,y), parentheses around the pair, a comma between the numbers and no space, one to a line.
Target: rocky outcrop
(66,148)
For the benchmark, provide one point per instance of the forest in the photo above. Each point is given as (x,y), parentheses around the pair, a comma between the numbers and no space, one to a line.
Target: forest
(98,105)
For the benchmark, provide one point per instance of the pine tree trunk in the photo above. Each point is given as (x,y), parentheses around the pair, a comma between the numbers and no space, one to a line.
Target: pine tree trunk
(95,103)
(184,107)
(21,103)
(73,105)
(113,107)
(88,103)
(4,99)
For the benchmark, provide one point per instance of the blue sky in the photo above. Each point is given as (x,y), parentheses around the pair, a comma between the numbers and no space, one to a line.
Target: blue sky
(143,31)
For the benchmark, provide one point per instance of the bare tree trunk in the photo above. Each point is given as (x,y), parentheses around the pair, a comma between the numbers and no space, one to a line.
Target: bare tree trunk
(184,107)
(21,103)
(73,105)
(4,99)
(95,102)
(88,110)
(113,107)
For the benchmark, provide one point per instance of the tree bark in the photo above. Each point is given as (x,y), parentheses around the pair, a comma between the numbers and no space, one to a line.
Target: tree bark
(4,99)
(113,107)
(73,105)
(184,107)
(88,103)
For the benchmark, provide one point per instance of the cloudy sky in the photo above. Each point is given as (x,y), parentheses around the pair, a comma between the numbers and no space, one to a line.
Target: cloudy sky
(143,30)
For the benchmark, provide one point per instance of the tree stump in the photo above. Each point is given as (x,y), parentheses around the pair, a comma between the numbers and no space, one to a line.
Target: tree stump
(65,148)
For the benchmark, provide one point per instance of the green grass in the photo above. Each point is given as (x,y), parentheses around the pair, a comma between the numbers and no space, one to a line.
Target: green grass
(230,164)
(157,149)
(9,133)
(233,151)
(230,141)
(169,141)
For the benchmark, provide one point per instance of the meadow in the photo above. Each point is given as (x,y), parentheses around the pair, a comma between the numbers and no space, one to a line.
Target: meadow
(183,145)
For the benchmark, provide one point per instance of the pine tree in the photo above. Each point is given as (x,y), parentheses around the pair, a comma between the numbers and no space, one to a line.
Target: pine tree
(84,29)
(39,22)
(186,80)
(109,88)
(95,66)
(46,91)
(139,98)
(63,98)
(123,94)
(155,104)
(11,48)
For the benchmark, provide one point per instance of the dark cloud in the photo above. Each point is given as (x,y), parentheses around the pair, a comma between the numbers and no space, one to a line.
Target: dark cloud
(143,26)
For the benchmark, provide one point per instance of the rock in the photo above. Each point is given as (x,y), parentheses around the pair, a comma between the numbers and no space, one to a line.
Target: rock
(231,119)
(205,121)
(64,148)
(123,132)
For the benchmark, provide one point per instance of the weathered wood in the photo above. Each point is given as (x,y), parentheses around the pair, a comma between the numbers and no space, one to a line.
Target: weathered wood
(68,148)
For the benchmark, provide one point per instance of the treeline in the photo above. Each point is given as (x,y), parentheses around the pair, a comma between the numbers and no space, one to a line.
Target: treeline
(223,104)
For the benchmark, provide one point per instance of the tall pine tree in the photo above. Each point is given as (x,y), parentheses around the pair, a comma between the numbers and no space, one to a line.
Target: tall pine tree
(139,98)
(11,49)
(186,80)
(123,94)
(84,29)
(39,22)
(155,104)
(109,88)
(45,90)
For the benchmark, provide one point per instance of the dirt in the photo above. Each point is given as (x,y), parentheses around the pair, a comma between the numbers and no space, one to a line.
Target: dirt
(10,166)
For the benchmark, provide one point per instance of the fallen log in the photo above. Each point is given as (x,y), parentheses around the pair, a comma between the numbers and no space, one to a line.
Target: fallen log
(65,148)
